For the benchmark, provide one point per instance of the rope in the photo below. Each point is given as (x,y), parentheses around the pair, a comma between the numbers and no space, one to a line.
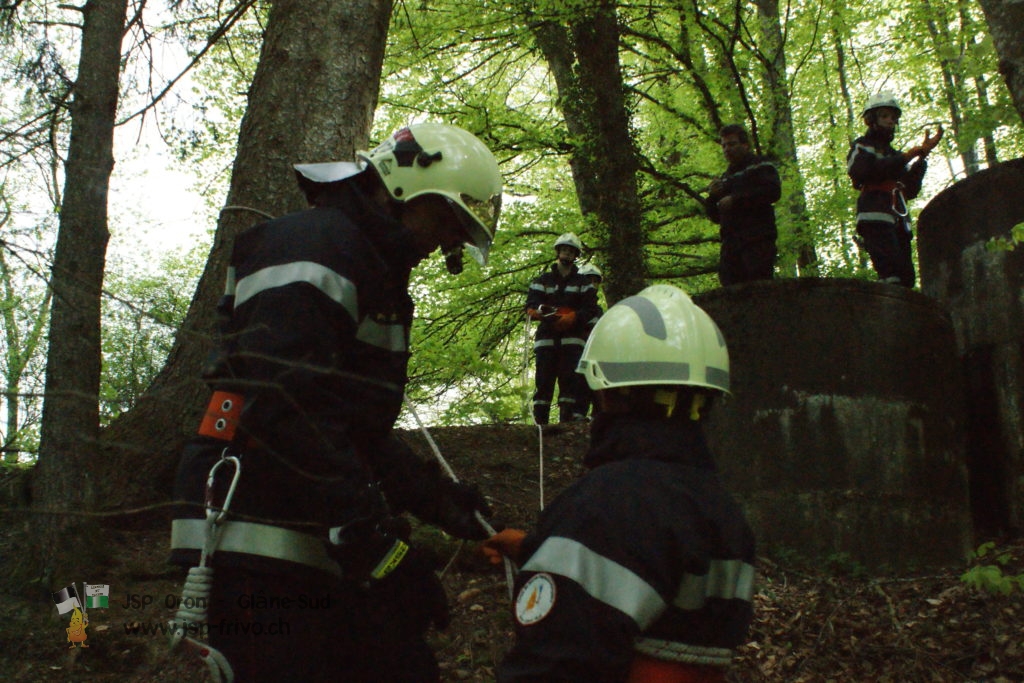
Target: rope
(238,207)
(525,375)
(195,594)
(528,409)
(509,571)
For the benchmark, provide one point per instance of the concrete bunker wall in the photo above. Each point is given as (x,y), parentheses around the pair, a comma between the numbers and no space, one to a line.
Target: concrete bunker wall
(983,289)
(845,434)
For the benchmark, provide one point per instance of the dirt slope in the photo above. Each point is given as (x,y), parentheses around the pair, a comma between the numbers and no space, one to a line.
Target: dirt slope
(812,624)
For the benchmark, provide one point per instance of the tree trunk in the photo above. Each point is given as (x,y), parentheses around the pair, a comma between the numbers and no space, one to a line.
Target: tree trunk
(312,99)
(69,444)
(1005,18)
(584,59)
(783,142)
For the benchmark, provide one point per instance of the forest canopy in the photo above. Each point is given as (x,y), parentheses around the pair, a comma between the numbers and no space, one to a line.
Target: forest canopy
(530,79)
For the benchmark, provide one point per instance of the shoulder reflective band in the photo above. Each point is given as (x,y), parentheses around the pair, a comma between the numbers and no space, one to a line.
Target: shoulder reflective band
(726,580)
(602,578)
(222,413)
(256,539)
(332,284)
(391,560)
(672,651)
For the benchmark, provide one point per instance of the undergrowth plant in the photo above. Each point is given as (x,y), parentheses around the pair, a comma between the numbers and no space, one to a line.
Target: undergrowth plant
(989,577)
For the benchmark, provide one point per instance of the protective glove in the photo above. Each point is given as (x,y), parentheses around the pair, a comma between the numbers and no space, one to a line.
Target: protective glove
(565,321)
(369,551)
(507,543)
(410,597)
(534,314)
(457,506)
(913,152)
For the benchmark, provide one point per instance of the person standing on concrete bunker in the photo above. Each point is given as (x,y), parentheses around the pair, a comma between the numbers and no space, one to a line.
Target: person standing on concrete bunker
(740,201)
(565,303)
(887,178)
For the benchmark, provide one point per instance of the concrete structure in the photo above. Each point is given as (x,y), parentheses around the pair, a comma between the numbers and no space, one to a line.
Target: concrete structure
(983,289)
(844,436)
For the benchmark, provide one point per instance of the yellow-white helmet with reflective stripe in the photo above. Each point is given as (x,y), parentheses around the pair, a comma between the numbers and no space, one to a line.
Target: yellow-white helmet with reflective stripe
(658,336)
(441,159)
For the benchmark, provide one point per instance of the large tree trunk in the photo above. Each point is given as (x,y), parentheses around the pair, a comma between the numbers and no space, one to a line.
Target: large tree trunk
(584,59)
(312,99)
(69,444)
(783,142)
(1005,18)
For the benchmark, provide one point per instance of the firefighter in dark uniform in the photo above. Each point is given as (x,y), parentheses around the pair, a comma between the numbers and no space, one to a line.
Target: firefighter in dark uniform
(741,203)
(565,303)
(312,571)
(887,178)
(643,569)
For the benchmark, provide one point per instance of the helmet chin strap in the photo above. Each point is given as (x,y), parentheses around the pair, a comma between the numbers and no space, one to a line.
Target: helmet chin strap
(453,259)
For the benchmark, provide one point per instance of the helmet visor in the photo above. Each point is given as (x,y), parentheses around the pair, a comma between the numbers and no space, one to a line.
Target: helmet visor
(479,220)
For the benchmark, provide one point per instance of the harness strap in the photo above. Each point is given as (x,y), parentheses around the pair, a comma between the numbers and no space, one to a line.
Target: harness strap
(263,540)
(884,186)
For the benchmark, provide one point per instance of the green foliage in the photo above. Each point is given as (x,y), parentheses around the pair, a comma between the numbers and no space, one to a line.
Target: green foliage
(142,312)
(687,68)
(1016,236)
(989,571)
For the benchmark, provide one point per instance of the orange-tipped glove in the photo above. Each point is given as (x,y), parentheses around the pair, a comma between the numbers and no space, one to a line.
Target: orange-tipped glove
(565,321)
(504,543)
(534,313)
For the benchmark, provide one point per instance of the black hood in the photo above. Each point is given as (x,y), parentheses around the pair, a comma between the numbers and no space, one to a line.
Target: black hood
(624,437)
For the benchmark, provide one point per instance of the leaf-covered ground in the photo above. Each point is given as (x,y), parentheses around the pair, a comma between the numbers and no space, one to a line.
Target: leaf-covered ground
(812,625)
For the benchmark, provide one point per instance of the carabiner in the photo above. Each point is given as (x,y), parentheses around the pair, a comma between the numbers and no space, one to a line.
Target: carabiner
(211,513)
(897,194)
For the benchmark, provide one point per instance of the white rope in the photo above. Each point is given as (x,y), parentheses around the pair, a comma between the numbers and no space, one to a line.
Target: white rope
(528,409)
(540,463)
(509,570)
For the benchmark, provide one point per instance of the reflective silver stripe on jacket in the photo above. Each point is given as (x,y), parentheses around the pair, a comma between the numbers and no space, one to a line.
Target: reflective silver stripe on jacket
(575,289)
(263,540)
(671,651)
(602,578)
(617,586)
(551,342)
(336,287)
(726,579)
(876,217)
(387,336)
(856,150)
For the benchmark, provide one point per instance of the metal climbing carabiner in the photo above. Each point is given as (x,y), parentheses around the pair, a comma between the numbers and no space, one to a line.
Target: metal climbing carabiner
(211,510)
(899,202)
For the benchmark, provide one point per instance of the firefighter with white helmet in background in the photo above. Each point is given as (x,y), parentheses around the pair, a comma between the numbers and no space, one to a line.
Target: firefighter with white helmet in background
(886,179)
(643,569)
(308,382)
(565,304)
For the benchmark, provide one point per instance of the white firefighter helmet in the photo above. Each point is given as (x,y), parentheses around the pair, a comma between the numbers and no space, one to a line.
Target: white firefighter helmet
(441,159)
(432,158)
(658,336)
(591,269)
(569,239)
(882,99)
